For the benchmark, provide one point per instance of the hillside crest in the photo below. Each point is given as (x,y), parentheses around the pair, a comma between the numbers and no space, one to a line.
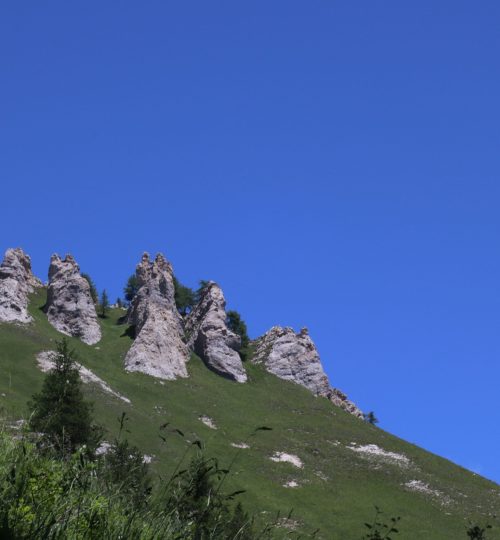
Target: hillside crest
(164,338)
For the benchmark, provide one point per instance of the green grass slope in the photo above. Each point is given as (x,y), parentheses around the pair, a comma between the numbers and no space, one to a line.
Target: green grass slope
(337,487)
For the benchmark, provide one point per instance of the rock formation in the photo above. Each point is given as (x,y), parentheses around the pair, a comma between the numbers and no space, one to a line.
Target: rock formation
(16,283)
(158,348)
(211,339)
(294,357)
(69,307)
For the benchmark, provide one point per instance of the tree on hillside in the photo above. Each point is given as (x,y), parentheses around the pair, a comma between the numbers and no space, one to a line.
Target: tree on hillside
(370,418)
(93,288)
(184,297)
(238,326)
(104,305)
(477,532)
(131,288)
(59,411)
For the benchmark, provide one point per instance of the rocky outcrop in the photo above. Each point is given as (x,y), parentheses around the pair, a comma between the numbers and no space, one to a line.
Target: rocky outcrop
(16,283)
(69,307)
(337,397)
(294,357)
(158,348)
(211,339)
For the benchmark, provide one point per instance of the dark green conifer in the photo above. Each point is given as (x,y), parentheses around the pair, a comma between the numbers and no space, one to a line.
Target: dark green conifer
(59,411)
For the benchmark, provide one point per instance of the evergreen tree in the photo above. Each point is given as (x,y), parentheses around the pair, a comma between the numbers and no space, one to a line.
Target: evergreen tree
(131,288)
(370,418)
(477,532)
(238,326)
(104,303)
(184,297)
(59,411)
(93,289)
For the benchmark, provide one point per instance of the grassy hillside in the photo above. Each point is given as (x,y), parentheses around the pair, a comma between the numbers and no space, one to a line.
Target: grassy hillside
(337,486)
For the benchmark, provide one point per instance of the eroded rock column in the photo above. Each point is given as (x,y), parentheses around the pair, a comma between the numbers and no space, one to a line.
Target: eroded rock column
(69,307)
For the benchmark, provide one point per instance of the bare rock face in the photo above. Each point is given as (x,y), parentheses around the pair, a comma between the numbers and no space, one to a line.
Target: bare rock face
(294,357)
(211,339)
(337,397)
(158,349)
(69,307)
(16,283)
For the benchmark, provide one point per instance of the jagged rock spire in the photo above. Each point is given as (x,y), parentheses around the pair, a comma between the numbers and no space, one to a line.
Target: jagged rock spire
(69,307)
(293,357)
(16,283)
(158,348)
(211,339)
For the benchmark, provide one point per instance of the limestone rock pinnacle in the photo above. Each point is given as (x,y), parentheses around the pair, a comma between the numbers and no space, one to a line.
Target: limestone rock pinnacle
(158,348)
(69,307)
(211,339)
(16,283)
(294,357)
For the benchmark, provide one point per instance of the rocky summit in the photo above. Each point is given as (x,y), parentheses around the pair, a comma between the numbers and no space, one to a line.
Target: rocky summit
(16,283)
(70,308)
(211,339)
(158,348)
(293,357)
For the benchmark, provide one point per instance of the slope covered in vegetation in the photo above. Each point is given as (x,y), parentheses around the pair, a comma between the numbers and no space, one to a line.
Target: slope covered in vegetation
(327,466)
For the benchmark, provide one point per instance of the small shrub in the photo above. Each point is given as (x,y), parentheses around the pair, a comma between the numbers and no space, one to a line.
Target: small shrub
(379,530)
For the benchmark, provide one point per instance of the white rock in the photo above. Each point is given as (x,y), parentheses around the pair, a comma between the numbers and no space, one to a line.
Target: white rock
(70,308)
(158,349)
(375,452)
(291,484)
(207,421)
(45,361)
(103,448)
(211,339)
(240,445)
(421,487)
(293,357)
(16,283)
(287,458)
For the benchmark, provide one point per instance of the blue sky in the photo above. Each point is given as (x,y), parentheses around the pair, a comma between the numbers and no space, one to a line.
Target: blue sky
(331,164)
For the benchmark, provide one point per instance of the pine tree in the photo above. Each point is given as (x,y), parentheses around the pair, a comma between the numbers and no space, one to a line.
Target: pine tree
(104,304)
(238,326)
(371,418)
(184,297)
(59,411)
(131,288)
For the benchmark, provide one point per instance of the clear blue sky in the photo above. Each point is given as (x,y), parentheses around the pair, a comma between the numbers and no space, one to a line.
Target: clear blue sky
(331,164)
